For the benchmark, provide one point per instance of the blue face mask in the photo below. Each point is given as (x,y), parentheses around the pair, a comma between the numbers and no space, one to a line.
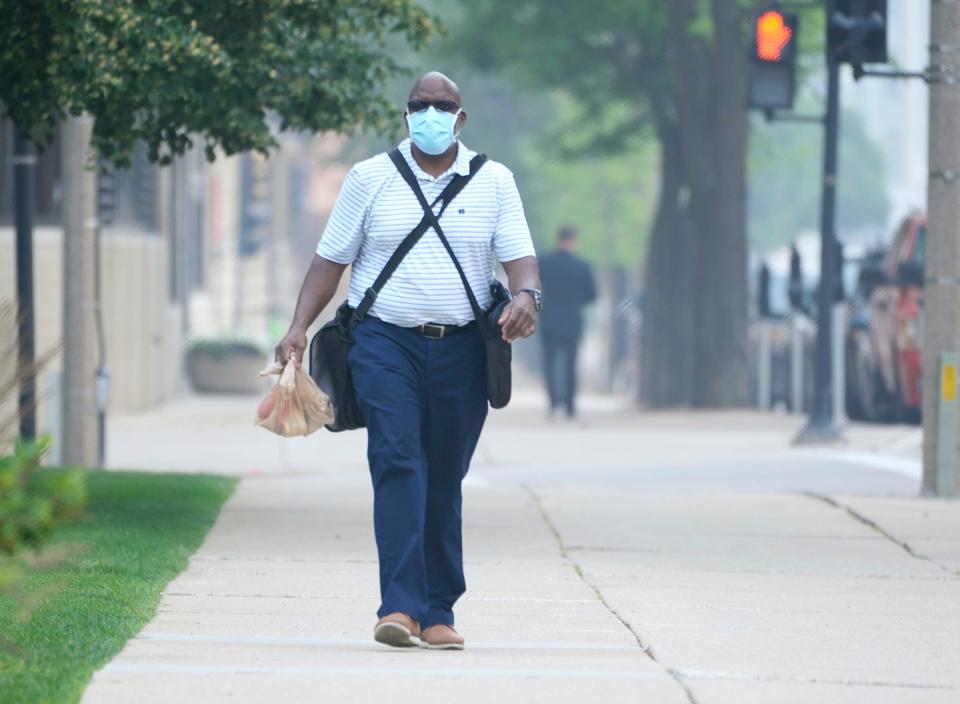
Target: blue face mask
(432,130)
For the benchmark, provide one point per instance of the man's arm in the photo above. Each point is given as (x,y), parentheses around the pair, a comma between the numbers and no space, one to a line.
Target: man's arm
(519,317)
(319,286)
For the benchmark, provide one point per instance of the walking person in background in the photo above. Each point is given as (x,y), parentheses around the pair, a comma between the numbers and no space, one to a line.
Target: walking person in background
(569,283)
(418,361)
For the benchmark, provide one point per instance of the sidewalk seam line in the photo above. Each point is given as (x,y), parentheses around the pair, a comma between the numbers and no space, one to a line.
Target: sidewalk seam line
(873,525)
(646,648)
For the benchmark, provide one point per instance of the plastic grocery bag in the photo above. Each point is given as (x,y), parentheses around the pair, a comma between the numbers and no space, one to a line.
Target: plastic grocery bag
(295,405)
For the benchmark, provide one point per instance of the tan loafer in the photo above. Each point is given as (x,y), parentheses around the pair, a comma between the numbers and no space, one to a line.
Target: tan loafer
(397,630)
(441,637)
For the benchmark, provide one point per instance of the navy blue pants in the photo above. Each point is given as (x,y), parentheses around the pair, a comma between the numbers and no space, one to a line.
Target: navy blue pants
(424,402)
(560,371)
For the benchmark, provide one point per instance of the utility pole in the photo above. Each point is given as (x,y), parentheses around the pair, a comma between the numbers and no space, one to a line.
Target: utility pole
(79,227)
(941,341)
(821,426)
(24,159)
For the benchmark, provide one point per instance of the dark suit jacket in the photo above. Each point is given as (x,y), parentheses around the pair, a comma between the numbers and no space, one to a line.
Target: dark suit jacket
(568,286)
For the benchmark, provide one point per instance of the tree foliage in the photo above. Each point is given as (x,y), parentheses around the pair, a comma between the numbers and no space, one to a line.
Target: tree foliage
(610,55)
(164,71)
(785,180)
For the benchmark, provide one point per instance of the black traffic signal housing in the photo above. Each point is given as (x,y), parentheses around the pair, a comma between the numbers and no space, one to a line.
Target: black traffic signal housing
(773,60)
(106,193)
(857,32)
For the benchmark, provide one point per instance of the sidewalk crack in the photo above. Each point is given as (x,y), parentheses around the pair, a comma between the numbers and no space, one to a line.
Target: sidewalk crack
(876,527)
(647,648)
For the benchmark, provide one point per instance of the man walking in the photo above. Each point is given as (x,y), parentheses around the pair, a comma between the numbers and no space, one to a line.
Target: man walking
(568,281)
(418,360)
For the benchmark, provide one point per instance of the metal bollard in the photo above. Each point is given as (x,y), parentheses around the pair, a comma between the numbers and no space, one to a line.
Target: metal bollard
(839,367)
(763,366)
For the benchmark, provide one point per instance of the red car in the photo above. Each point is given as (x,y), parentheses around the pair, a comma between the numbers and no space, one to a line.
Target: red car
(888,350)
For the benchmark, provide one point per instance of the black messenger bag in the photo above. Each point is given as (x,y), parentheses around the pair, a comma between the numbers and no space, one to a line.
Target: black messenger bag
(331,345)
(498,351)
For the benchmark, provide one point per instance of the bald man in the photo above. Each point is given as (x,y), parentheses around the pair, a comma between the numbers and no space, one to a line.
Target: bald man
(418,359)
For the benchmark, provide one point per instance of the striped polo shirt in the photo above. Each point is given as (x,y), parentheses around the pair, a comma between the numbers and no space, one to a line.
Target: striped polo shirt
(376,209)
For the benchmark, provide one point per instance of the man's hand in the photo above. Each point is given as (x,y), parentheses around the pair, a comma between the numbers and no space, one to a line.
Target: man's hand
(294,342)
(519,318)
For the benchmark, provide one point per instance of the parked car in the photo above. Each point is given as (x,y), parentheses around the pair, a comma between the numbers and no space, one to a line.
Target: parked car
(884,337)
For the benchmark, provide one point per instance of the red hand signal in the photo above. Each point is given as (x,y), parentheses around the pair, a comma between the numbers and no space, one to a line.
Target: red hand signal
(772,36)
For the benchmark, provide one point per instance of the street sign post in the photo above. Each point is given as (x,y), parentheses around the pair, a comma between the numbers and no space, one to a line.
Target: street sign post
(855,34)
(821,426)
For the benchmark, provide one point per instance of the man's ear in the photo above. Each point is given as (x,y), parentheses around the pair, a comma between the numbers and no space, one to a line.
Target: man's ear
(461,120)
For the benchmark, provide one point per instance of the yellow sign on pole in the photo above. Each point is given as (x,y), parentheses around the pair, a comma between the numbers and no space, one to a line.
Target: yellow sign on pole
(948,383)
(948,411)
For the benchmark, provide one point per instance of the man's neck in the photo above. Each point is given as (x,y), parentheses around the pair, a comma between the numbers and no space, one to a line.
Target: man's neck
(435,164)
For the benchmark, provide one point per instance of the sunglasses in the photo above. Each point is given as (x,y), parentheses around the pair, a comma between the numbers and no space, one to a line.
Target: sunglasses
(441,105)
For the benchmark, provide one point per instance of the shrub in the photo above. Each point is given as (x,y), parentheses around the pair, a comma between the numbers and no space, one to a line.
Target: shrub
(31,504)
(222,347)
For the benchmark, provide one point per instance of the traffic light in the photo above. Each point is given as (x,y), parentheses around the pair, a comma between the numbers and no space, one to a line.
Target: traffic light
(106,194)
(773,60)
(857,31)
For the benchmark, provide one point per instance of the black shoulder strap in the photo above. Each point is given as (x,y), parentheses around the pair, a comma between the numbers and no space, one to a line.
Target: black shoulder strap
(449,193)
(433,220)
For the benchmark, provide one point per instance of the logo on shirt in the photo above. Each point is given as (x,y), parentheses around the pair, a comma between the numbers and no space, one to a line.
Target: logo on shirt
(462,211)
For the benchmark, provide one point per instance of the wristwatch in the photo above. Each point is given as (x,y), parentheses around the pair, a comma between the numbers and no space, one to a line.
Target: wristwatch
(537,297)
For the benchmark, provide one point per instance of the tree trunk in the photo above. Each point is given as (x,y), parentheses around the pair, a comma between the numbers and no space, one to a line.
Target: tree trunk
(722,308)
(698,286)
(667,361)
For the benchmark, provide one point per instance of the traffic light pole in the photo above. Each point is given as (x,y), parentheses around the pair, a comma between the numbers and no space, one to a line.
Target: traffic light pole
(23,161)
(821,426)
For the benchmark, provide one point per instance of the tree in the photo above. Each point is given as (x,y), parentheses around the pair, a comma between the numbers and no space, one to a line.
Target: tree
(674,70)
(710,65)
(166,71)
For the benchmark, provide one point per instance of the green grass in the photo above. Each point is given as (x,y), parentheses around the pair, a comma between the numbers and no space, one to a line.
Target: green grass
(99,580)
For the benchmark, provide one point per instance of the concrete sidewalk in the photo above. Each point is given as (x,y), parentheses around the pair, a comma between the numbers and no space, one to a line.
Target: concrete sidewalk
(660,558)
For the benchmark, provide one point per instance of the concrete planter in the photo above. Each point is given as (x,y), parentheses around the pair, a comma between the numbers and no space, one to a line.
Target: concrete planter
(229,368)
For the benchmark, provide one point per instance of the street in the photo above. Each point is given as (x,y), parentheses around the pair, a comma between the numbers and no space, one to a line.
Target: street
(670,557)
